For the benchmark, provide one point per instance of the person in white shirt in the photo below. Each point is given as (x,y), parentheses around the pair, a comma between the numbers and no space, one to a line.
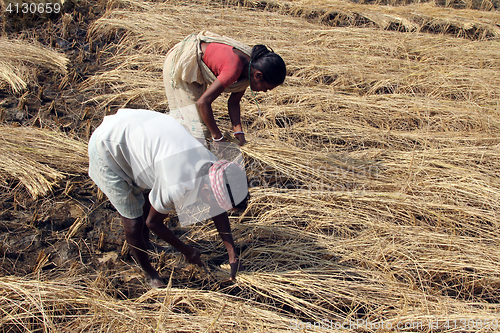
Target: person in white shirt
(146,163)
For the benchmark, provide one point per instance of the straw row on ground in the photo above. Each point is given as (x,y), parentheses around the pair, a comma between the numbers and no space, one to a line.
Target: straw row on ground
(460,324)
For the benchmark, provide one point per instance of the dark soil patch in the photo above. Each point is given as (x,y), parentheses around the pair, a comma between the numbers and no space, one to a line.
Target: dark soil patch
(34,234)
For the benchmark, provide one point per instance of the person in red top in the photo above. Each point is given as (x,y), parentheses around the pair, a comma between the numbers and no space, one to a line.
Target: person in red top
(198,69)
(224,61)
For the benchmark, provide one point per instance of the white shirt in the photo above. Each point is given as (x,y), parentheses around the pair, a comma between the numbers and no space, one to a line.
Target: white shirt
(153,151)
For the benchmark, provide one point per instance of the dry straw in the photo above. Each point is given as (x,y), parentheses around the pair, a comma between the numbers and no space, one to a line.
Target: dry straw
(359,61)
(375,169)
(375,162)
(39,158)
(417,16)
(10,75)
(16,55)
(83,306)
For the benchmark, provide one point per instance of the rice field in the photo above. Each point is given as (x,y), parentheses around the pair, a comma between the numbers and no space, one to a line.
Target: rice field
(374,171)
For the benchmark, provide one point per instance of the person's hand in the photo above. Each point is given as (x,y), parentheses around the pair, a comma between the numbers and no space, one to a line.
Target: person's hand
(218,147)
(241,138)
(192,256)
(234,268)
(218,138)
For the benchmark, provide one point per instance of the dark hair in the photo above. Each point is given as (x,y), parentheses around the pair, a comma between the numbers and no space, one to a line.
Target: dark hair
(271,65)
(243,204)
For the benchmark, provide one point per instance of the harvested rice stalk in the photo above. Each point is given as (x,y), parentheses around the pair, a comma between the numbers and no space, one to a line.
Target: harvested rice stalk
(19,50)
(40,158)
(17,54)
(9,76)
(83,307)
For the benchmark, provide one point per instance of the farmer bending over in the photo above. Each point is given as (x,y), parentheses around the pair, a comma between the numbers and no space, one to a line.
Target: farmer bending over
(223,65)
(146,163)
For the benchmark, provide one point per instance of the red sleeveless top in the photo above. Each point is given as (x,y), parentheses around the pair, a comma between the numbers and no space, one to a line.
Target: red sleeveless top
(223,62)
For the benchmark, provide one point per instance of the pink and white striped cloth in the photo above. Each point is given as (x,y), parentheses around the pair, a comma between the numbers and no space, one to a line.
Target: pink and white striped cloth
(216,175)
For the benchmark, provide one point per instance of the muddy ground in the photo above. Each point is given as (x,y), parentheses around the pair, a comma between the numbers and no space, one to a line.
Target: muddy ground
(34,234)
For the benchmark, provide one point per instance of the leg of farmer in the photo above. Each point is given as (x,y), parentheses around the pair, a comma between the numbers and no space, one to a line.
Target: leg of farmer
(134,236)
(154,222)
(145,213)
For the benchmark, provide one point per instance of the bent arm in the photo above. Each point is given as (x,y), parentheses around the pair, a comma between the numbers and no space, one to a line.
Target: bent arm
(223,227)
(154,222)
(204,105)
(233,107)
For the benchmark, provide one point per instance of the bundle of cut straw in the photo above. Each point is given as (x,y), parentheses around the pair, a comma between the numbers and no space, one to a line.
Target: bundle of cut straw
(38,158)
(15,55)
